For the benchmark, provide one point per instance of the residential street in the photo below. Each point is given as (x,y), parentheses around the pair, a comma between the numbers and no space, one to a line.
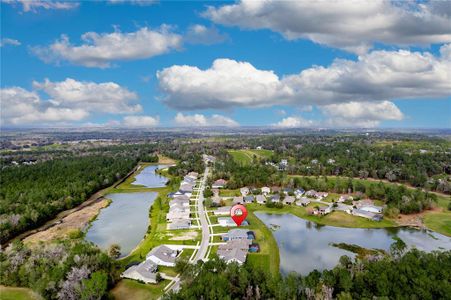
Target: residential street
(203,220)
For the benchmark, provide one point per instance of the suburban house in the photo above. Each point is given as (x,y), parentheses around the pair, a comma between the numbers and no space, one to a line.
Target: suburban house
(234,251)
(219,184)
(232,255)
(181,197)
(228,222)
(179,224)
(244,191)
(248,199)
(265,190)
(372,208)
(275,189)
(193,175)
(283,165)
(275,198)
(344,198)
(299,192)
(287,191)
(288,200)
(321,195)
(304,201)
(238,200)
(323,210)
(260,199)
(222,211)
(208,158)
(237,234)
(177,215)
(186,187)
(310,193)
(162,256)
(145,272)
(179,202)
(367,214)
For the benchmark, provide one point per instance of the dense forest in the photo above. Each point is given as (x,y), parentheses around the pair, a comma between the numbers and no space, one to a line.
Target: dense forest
(69,270)
(413,275)
(31,195)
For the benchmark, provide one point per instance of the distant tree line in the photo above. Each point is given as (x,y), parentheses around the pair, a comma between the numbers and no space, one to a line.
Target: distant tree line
(413,275)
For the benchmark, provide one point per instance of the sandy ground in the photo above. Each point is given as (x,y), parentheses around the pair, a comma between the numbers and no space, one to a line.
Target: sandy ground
(165,160)
(75,221)
(185,236)
(414,220)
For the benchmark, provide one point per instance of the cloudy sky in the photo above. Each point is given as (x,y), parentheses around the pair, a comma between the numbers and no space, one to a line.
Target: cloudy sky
(143,63)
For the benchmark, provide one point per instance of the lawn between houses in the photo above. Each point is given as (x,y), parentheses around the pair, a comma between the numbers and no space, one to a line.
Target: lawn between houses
(157,234)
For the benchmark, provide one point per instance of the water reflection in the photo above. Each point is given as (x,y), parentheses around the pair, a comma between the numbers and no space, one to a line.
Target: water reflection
(305,246)
(148,178)
(123,222)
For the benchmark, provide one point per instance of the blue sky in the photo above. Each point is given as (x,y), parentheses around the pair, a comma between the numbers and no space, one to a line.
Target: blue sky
(226,65)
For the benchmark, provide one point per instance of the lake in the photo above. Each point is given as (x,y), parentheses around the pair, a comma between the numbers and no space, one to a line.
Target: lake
(148,178)
(305,246)
(123,222)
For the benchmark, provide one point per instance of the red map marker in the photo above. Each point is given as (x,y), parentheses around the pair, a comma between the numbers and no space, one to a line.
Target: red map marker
(238,213)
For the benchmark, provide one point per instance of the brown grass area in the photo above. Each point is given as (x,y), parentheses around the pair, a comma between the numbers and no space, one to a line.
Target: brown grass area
(71,223)
(165,160)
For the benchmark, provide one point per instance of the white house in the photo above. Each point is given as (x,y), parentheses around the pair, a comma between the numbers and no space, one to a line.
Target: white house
(244,191)
(226,222)
(163,256)
(145,272)
(266,190)
(260,199)
(222,211)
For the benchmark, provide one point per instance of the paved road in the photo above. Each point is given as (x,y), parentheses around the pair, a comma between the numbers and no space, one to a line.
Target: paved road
(202,252)
(203,247)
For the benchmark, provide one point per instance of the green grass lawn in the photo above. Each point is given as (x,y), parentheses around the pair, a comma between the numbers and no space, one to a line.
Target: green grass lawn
(129,289)
(16,293)
(438,221)
(245,157)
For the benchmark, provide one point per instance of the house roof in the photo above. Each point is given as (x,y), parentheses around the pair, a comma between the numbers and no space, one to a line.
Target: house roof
(289,199)
(260,198)
(237,234)
(233,255)
(163,253)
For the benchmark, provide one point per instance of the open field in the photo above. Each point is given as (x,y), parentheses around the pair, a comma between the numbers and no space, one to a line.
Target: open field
(246,157)
(129,289)
(16,293)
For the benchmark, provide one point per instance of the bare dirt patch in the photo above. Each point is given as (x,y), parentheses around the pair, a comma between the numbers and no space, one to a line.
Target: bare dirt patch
(77,220)
(165,160)
(190,235)
(415,220)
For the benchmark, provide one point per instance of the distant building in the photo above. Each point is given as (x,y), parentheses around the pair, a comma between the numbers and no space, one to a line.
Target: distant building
(266,190)
(261,199)
(238,200)
(275,198)
(248,199)
(244,191)
(219,184)
(288,200)
(367,214)
(304,201)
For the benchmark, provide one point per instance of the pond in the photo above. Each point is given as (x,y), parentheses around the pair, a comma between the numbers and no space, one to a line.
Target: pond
(148,178)
(123,222)
(305,246)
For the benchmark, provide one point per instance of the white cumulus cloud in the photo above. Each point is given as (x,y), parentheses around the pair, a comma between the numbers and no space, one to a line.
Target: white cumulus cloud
(351,25)
(293,122)
(200,34)
(198,120)
(100,50)
(67,101)
(376,76)
(361,114)
(35,5)
(140,121)
(8,41)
